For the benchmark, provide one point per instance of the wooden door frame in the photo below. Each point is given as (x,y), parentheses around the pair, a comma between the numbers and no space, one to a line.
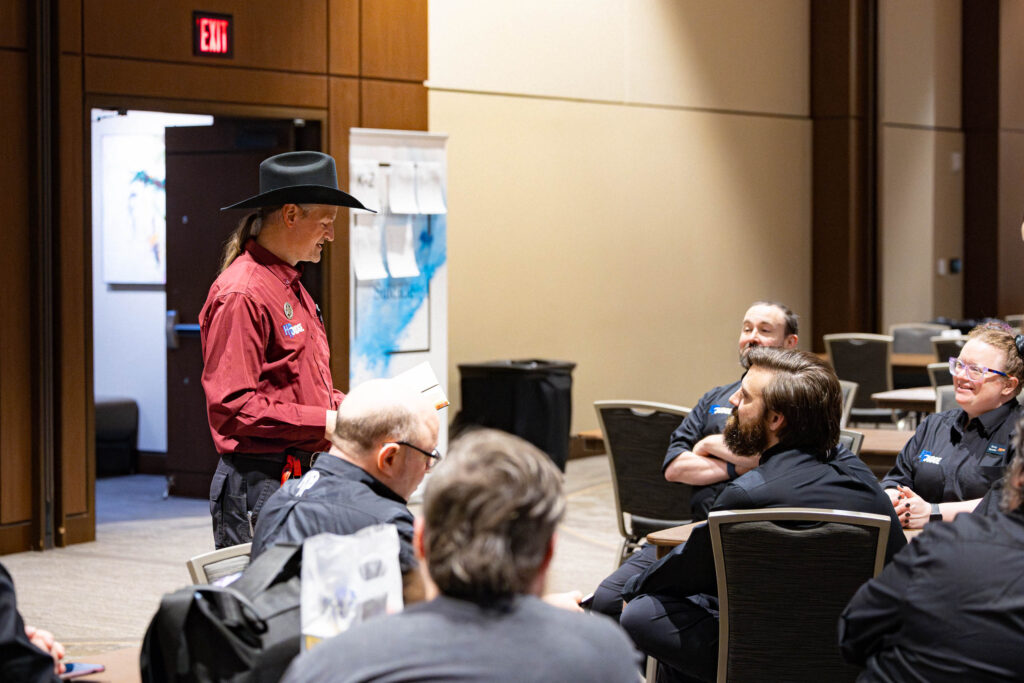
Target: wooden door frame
(75,523)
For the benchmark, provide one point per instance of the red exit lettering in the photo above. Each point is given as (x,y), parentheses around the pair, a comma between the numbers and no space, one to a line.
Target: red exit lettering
(213,35)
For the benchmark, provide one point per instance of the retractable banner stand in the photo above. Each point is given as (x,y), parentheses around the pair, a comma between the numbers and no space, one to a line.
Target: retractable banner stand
(398,256)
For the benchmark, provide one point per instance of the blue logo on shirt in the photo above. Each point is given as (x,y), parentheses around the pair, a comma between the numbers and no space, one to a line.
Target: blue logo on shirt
(720,410)
(926,456)
(292,330)
(996,449)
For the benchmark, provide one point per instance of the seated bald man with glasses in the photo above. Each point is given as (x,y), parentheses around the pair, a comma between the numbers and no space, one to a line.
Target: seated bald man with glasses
(957,455)
(384,442)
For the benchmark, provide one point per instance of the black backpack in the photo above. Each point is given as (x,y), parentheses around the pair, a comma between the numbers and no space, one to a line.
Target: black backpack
(246,632)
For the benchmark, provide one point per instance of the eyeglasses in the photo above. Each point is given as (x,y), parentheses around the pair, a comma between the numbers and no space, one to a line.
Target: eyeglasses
(433,456)
(975,372)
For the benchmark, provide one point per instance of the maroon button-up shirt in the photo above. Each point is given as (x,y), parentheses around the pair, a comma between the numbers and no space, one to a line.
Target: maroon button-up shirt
(266,363)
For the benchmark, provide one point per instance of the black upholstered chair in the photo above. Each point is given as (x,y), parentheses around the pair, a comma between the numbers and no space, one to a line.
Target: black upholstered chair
(852,440)
(849,396)
(945,398)
(938,374)
(784,576)
(947,347)
(636,436)
(217,564)
(914,337)
(867,360)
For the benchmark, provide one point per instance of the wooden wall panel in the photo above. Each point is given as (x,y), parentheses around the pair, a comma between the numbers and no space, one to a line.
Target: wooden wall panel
(13,23)
(983,91)
(16,394)
(844,262)
(394,39)
(344,114)
(189,82)
(385,104)
(268,34)
(343,37)
(69,26)
(75,448)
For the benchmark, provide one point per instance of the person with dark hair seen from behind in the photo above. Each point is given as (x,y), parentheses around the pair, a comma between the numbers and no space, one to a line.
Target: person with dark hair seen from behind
(487,536)
(787,410)
(950,607)
(955,456)
(270,398)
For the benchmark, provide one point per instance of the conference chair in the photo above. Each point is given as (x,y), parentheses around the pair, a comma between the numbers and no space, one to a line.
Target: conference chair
(852,440)
(867,360)
(218,564)
(947,347)
(945,398)
(636,436)
(914,337)
(849,393)
(938,374)
(784,576)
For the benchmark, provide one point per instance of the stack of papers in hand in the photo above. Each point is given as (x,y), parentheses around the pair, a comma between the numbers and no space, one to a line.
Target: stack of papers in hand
(422,379)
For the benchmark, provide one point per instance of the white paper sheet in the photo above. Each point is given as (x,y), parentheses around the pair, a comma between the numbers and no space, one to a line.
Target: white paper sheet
(402,187)
(366,182)
(401,250)
(367,259)
(430,187)
(423,379)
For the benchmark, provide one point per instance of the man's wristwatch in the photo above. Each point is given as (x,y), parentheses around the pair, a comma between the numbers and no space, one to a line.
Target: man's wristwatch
(936,515)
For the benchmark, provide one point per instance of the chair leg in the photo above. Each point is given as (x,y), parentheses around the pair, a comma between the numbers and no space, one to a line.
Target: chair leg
(624,552)
(651,675)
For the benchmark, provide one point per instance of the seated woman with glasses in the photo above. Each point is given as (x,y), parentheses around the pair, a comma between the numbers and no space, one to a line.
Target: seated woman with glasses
(955,456)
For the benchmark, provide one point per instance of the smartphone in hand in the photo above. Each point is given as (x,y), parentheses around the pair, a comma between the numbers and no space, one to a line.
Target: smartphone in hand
(77,669)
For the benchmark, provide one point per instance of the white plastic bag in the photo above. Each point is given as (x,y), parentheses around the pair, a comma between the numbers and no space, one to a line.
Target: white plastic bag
(348,579)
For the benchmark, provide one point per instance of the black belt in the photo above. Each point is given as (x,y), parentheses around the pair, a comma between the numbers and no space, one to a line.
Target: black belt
(271,464)
(306,458)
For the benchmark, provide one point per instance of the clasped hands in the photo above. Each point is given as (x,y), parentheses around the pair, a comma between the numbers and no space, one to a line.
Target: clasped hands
(912,510)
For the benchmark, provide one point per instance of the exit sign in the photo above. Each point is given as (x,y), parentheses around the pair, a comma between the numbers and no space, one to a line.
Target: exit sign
(212,35)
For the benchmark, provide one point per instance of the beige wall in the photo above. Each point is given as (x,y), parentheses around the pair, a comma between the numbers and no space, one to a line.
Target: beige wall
(624,178)
(920,159)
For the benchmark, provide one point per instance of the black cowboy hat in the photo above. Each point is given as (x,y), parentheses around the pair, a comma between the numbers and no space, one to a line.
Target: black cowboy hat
(298,178)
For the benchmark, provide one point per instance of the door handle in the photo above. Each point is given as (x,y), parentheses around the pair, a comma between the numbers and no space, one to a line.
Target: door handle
(174,329)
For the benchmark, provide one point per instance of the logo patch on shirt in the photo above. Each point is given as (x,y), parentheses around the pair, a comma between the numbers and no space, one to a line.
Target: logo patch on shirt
(720,410)
(292,330)
(996,449)
(306,483)
(926,456)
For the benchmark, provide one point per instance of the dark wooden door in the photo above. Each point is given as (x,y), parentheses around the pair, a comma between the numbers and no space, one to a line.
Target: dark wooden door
(207,167)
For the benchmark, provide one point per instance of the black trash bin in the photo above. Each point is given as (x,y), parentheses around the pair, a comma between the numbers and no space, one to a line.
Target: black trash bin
(528,398)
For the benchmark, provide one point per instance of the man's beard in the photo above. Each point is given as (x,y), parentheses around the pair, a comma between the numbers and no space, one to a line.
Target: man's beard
(749,439)
(743,355)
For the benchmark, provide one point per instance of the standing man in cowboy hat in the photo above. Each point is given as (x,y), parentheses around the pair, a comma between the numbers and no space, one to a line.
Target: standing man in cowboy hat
(270,398)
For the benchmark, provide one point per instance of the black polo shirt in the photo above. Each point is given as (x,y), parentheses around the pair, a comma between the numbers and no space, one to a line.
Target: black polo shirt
(707,418)
(950,458)
(334,497)
(785,478)
(950,607)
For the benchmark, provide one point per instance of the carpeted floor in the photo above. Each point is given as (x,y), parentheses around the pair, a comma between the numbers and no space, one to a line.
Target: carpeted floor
(100,596)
